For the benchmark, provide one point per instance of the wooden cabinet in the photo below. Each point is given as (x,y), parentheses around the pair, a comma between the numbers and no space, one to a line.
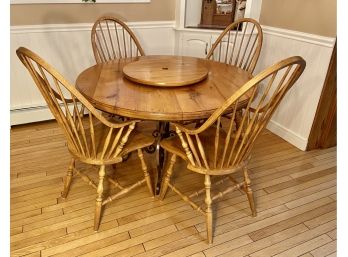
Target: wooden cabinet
(207,14)
(217,13)
(194,44)
(195,40)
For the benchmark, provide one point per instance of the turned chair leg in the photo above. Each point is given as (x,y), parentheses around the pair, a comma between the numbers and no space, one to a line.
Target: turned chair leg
(209,211)
(68,178)
(166,180)
(146,173)
(249,192)
(99,200)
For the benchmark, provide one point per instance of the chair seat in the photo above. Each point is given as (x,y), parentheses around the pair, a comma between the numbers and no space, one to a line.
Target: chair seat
(136,140)
(207,138)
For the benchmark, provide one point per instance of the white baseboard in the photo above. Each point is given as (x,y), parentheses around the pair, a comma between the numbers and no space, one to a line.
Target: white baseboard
(287,135)
(28,115)
(294,117)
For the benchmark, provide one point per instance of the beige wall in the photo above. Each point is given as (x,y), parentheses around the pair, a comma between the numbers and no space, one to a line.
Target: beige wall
(87,13)
(311,16)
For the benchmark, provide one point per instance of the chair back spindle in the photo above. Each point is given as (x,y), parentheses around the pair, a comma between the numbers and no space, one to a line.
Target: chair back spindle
(112,39)
(239,44)
(75,115)
(232,145)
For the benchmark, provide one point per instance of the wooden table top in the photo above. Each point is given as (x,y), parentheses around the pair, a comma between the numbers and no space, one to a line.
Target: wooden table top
(109,90)
(166,71)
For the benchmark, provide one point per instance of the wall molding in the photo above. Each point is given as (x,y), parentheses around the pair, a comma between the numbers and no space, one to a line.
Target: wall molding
(291,34)
(28,115)
(300,36)
(288,135)
(284,33)
(75,1)
(20,29)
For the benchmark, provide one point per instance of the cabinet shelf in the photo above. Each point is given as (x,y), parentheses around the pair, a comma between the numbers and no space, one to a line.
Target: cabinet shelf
(189,13)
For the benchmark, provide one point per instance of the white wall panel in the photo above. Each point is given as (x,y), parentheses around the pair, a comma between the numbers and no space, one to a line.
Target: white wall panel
(68,48)
(294,117)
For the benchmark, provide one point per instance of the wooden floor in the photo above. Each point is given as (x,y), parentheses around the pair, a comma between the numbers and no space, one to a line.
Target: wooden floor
(295,194)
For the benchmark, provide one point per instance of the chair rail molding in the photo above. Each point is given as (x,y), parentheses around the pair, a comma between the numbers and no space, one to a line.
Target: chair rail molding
(300,36)
(75,1)
(85,27)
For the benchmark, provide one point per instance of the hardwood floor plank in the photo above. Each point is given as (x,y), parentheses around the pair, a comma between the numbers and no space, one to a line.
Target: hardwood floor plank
(305,178)
(296,240)
(332,255)
(304,247)
(333,234)
(131,242)
(334,196)
(90,247)
(16,230)
(38,239)
(265,242)
(37,218)
(317,221)
(325,250)
(275,227)
(35,254)
(243,227)
(169,238)
(310,198)
(306,255)
(200,254)
(24,215)
(295,195)
(272,201)
(230,245)
(131,251)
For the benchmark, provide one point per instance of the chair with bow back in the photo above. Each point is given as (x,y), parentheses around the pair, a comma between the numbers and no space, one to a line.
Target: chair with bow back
(112,39)
(215,150)
(239,44)
(91,138)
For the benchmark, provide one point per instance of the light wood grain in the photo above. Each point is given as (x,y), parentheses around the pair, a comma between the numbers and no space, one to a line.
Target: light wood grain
(112,39)
(170,71)
(105,86)
(239,44)
(91,138)
(150,223)
(215,149)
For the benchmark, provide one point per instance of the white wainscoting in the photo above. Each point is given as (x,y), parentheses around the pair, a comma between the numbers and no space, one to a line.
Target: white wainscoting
(294,117)
(68,48)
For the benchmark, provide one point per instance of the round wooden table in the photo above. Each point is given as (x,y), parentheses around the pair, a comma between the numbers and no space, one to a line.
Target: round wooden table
(109,90)
(174,89)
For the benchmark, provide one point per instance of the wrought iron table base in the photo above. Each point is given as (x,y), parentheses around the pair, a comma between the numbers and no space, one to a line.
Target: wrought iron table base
(162,131)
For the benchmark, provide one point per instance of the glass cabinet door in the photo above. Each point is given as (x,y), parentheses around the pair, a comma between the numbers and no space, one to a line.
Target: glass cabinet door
(213,13)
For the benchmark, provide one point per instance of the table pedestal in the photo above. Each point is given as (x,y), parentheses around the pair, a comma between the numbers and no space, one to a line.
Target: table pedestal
(162,131)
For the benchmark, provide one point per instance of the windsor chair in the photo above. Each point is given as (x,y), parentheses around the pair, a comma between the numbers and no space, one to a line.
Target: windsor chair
(212,150)
(112,39)
(91,138)
(239,44)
